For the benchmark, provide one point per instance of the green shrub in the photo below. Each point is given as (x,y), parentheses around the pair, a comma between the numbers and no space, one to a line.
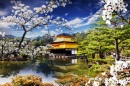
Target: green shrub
(110,57)
(96,56)
(126,53)
(29,80)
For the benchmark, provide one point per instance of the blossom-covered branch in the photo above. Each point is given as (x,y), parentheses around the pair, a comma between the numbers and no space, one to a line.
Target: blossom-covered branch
(28,19)
(114,6)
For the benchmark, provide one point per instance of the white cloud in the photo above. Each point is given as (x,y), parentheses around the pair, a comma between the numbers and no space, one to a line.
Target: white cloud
(59,30)
(52,33)
(40,33)
(79,22)
(66,14)
(33,34)
(93,18)
(4,25)
(75,21)
(44,31)
(3,13)
(17,33)
(99,4)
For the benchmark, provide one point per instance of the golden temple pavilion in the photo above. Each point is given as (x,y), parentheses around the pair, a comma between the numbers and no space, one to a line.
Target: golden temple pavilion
(63,44)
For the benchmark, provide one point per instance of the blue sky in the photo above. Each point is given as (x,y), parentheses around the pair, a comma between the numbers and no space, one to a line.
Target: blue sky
(81,14)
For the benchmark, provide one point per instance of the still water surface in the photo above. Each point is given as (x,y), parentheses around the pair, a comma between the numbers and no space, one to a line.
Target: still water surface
(49,79)
(40,68)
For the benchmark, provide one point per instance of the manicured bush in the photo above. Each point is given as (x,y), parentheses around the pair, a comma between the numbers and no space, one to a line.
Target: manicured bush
(73,81)
(126,53)
(29,80)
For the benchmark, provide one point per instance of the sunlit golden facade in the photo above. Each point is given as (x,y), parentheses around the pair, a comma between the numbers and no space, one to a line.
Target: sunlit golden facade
(63,44)
(64,41)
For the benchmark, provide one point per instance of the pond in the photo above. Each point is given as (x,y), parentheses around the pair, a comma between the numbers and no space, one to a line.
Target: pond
(36,67)
(48,70)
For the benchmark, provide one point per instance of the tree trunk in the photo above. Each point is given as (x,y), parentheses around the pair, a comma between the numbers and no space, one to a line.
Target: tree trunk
(2,50)
(117,50)
(100,53)
(93,55)
(19,46)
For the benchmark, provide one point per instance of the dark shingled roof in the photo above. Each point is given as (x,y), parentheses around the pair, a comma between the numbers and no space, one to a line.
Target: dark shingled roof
(64,34)
(62,42)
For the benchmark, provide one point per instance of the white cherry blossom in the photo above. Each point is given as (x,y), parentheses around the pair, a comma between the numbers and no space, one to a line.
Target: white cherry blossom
(113,6)
(2,34)
(108,22)
(122,26)
(117,75)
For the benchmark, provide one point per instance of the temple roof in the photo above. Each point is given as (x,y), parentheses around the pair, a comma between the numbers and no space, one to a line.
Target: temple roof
(64,34)
(63,42)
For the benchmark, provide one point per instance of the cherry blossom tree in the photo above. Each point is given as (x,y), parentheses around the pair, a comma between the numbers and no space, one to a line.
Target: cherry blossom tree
(115,15)
(9,46)
(119,72)
(28,19)
(2,34)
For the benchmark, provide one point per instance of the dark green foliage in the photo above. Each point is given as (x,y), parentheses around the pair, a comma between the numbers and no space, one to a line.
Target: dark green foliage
(104,39)
(42,41)
(78,37)
(96,41)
